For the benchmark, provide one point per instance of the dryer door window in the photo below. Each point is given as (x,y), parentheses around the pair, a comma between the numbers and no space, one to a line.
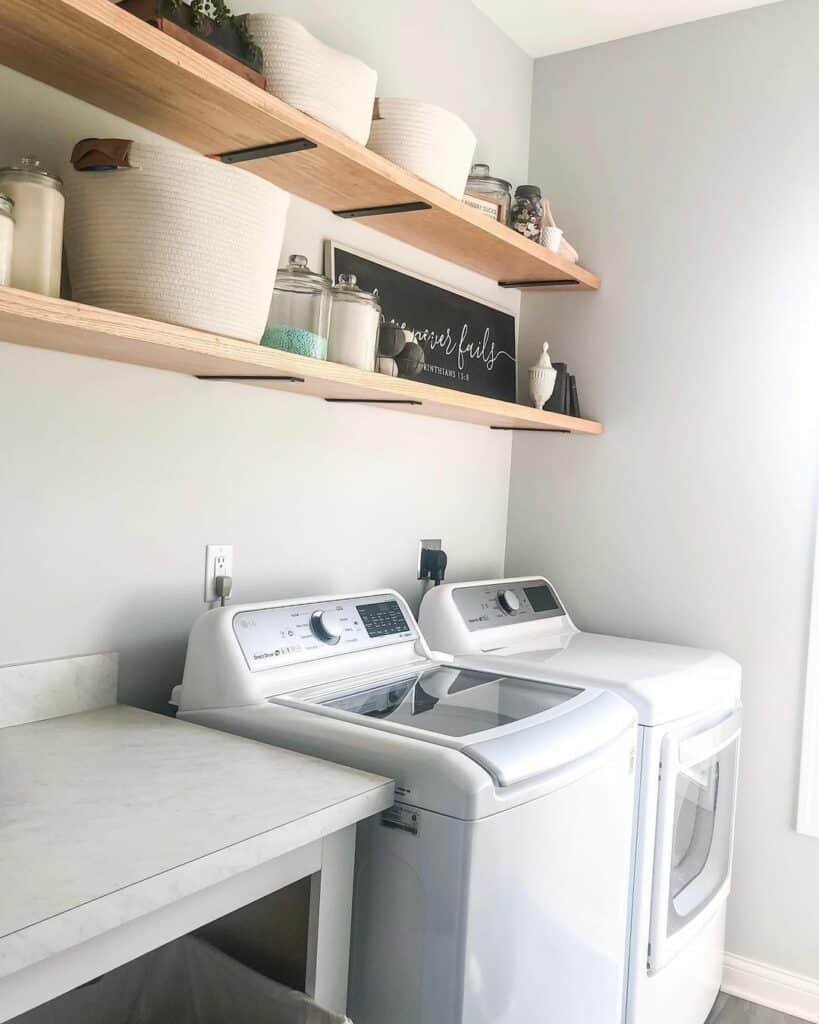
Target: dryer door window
(694,834)
(701,849)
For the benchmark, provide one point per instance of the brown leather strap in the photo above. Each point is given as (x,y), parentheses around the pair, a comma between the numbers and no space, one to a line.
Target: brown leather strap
(96,154)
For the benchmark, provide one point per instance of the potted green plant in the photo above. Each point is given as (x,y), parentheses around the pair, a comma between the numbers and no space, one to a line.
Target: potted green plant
(207,26)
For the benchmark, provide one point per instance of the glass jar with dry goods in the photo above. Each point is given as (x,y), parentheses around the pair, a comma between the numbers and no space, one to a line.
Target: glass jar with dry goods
(527,212)
(300,311)
(481,185)
(355,319)
(6,237)
(39,209)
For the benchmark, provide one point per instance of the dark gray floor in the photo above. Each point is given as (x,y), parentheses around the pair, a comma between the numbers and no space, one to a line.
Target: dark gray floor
(729,1010)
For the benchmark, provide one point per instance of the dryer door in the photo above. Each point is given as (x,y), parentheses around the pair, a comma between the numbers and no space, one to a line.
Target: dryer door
(695,832)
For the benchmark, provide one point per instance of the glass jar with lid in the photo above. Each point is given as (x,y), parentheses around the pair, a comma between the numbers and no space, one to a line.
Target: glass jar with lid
(355,319)
(6,237)
(39,209)
(300,311)
(527,212)
(480,183)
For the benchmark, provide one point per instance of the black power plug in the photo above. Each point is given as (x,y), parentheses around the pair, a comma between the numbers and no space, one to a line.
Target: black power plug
(432,565)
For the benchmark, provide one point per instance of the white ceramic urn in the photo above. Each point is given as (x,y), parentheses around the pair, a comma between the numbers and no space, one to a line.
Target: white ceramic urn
(542,379)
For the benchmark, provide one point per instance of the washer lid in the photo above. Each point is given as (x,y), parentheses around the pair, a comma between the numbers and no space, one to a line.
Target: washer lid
(448,701)
(664,682)
(515,728)
(558,746)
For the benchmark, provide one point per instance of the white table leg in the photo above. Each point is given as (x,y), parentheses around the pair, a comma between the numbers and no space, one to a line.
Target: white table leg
(331,904)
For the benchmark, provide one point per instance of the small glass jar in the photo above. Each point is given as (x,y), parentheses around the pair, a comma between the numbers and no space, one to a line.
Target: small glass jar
(355,319)
(300,311)
(527,212)
(480,183)
(6,238)
(39,209)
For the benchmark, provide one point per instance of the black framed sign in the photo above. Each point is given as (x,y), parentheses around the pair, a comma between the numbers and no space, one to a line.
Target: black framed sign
(468,345)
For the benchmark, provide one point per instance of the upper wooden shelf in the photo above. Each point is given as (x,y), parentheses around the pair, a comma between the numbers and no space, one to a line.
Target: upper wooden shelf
(41,322)
(94,50)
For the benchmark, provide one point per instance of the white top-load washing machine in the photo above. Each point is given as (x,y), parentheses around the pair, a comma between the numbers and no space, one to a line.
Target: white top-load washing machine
(496,890)
(688,703)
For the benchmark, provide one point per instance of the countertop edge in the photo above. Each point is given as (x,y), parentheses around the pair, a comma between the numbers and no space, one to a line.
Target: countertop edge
(38,941)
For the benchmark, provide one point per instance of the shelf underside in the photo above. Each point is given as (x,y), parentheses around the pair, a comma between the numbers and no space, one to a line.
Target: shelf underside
(93,50)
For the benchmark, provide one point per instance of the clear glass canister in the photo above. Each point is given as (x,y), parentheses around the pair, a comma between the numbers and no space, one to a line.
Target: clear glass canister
(527,212)
(39,209)
(6,237)
(355,319)
(480,183)
(300,311)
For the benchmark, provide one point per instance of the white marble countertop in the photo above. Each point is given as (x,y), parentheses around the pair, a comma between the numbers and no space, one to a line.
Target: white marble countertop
(108,814)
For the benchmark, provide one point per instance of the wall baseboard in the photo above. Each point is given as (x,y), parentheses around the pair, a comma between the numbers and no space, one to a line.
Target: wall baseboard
(780,990)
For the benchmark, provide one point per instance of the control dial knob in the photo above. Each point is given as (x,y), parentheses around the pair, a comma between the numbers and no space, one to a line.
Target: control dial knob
(509,601)
(326,627)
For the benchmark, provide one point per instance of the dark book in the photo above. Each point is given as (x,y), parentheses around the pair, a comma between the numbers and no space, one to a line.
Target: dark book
(574,401)
(559,400)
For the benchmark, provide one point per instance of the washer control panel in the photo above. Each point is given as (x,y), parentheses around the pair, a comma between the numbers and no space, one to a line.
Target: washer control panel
(291,634)
(489,606)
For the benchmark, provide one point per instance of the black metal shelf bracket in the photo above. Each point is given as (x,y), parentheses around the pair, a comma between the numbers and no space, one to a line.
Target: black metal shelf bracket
(539,284)
(234,377)
(535,430)
(241,156)
(374,401)
(378,211)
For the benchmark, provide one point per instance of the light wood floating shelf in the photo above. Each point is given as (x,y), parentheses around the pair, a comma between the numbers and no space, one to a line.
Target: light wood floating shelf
(40,322)
(94,50)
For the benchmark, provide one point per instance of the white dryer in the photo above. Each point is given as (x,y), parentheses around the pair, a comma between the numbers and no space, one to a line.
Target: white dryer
(688,703)
(496,890)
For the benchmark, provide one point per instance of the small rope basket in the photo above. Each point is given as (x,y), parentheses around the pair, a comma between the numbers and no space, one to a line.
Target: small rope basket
(427,140)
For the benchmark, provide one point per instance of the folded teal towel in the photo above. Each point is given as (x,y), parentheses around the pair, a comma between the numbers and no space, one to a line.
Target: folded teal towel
(295,339)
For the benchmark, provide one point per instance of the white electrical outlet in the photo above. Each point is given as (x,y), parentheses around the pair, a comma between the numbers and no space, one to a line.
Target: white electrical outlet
(218,562)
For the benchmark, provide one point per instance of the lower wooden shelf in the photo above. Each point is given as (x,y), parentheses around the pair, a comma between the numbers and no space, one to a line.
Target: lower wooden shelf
(41,322)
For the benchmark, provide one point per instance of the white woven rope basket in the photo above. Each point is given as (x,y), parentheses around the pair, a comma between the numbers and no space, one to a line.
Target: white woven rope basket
(176,237)
(331,86)
(427,140)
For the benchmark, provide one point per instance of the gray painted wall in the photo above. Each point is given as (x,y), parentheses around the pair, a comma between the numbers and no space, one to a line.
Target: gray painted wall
(113,478)
(684,165)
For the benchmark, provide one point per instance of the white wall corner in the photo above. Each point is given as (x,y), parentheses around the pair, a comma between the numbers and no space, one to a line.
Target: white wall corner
(773,987)
(807,817)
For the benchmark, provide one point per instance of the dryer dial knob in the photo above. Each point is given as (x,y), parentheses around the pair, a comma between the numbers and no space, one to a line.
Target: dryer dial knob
(326,627)
(509,601)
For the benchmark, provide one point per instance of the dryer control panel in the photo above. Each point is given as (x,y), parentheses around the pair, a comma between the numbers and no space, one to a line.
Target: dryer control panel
(487,606)
(291,634)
